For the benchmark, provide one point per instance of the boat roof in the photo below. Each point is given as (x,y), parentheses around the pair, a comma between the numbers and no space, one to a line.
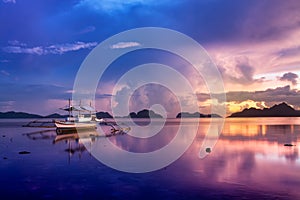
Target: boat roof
(79,108)
(88,108)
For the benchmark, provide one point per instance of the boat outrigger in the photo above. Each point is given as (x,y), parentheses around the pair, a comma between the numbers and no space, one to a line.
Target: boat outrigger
(80,117)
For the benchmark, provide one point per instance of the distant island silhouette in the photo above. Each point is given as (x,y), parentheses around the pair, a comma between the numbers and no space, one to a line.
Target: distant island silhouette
(278,110)
(144,114)
(140,114)
(103,115)
(196,115)
(12,114)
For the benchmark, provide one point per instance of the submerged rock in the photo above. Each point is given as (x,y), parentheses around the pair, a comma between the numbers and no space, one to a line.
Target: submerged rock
(24,152)
(208,150)
(288,145)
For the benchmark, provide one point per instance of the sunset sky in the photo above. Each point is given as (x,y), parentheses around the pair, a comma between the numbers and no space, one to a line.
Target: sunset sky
(254,43)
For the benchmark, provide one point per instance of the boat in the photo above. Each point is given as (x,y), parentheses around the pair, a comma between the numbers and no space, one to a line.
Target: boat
(73,124)
(73,135)
(108,130)
(80,117)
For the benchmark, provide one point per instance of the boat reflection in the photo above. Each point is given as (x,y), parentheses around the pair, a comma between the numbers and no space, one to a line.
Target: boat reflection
(77,140)
(41,134)
(73,134)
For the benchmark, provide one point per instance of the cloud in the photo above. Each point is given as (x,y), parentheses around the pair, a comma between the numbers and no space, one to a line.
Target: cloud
(238,70)
(267,97)
(245,69)
(9,1)
(111,6)
(267,33)
(122,45)
(5,73)
(4,61)
(16,43)
(144,97)
(289,51)
(18,49)
(27,92)
(291,77)
(63,48)
(87,30)
(6,106)
(32,97)
(53,49)
(270,21)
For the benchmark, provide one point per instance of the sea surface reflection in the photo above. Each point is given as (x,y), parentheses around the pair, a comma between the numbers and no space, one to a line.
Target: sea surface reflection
(253,158)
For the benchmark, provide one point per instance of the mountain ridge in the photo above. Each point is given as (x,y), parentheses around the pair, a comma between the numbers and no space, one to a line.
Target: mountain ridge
(145,113)
(196,115)
(277,110)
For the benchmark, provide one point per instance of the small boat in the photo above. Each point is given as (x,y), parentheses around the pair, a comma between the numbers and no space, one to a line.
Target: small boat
(84,118)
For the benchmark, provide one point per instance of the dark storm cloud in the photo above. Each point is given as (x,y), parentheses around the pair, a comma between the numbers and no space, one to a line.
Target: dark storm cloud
(273,20)
(269,96)
(278,94)
(291,77)
(206,21)
(259,21)
(233,20)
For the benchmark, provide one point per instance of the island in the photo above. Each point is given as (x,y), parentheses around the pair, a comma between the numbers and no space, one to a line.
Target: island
(196,115)
(144,114)
(103,115)
(12,114)
(55,115)
(278,110)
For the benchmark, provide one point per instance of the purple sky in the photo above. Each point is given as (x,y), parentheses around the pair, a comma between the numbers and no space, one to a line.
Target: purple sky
(254,43)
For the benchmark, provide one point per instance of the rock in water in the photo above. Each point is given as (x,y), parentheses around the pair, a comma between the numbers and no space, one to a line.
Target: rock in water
(24,152)
(288,145)
(208,150)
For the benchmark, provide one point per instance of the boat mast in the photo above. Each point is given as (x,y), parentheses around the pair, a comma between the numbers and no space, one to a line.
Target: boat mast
(79,109)
(70,107)
(91,109)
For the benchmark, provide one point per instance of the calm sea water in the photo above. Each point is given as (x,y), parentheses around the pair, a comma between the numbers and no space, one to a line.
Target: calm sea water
(248,161)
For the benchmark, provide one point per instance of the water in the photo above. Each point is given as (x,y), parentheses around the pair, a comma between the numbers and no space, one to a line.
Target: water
(249,161)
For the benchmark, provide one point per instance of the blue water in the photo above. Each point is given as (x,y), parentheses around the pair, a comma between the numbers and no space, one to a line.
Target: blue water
(249,161)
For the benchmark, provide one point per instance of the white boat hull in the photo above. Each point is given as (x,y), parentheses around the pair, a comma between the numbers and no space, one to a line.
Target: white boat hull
(73,125)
